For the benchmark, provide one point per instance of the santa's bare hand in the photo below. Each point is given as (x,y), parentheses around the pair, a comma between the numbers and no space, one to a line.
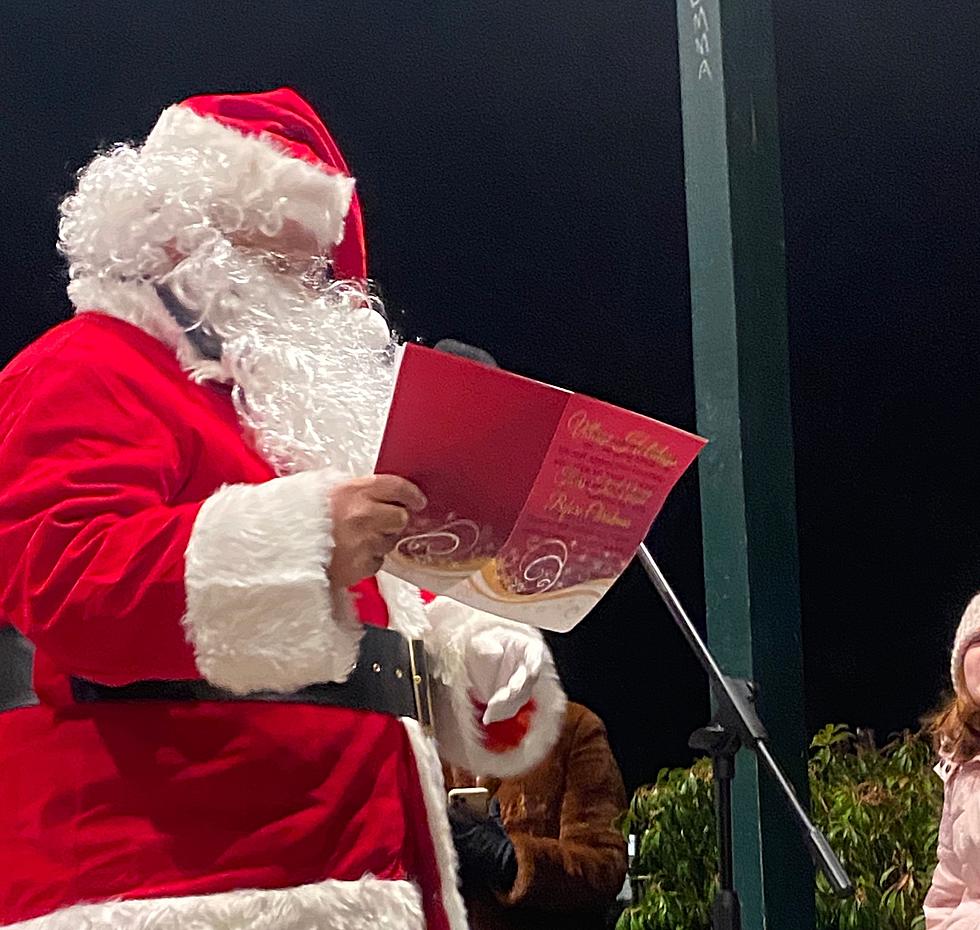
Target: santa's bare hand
(368,515)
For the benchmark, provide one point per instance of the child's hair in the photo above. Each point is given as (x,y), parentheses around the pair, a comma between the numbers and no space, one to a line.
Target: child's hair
(955,729)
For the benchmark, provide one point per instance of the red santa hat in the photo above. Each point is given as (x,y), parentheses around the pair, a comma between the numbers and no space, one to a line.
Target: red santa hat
(272,155)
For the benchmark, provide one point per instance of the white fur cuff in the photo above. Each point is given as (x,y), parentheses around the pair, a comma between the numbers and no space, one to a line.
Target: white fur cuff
(459,732)
(260,613)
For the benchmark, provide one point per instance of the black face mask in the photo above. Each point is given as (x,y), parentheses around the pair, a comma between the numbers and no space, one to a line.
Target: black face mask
(206,343)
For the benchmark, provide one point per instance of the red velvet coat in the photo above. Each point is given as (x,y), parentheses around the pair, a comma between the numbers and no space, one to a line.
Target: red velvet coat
(142,538)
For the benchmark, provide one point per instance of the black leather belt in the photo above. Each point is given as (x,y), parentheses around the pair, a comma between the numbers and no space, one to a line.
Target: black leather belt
(16,666)
(390,677)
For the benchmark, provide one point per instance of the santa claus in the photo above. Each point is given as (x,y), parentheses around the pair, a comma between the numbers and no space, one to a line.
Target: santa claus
(230,727)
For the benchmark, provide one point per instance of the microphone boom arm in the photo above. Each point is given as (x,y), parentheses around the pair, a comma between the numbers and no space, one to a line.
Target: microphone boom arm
(738,718)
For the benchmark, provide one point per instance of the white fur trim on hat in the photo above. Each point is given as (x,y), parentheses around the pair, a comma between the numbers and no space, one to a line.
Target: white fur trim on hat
(458,729)
(367,904)
(260,612)
(258,176)
(967,633)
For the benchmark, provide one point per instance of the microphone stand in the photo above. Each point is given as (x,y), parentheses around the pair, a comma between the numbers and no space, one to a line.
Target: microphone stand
(736,724)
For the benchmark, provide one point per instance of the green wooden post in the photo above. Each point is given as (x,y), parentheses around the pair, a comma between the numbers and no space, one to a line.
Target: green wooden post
(738,296)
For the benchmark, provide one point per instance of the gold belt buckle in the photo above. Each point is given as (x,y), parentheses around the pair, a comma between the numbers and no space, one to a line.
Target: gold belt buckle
(421,684)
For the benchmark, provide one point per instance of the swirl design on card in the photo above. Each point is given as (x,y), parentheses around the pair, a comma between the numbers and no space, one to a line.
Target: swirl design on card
(453,541)
(542,568)
(537,569)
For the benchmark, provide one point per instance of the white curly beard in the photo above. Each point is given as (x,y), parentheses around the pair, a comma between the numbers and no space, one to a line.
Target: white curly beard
(313,369)
(312,366)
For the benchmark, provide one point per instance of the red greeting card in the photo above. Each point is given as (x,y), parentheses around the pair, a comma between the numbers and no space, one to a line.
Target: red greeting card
(538,497)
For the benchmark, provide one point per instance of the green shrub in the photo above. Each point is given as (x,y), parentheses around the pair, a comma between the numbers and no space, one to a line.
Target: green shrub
(879,808)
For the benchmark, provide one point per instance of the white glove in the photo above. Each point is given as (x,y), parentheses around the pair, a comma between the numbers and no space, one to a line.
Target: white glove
(503,666)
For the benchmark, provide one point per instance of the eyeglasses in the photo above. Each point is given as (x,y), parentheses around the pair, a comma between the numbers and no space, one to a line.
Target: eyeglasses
(313,272)
(319,273)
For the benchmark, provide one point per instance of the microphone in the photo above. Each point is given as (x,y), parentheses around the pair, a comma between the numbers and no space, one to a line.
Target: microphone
(463,350)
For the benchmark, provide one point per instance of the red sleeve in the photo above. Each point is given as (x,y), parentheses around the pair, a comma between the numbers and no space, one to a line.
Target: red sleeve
(91,544)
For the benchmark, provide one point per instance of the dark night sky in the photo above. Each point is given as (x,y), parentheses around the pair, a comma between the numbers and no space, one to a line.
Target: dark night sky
(522,174)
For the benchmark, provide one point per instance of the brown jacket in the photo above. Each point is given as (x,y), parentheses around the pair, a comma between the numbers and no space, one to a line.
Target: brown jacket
(571,860)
